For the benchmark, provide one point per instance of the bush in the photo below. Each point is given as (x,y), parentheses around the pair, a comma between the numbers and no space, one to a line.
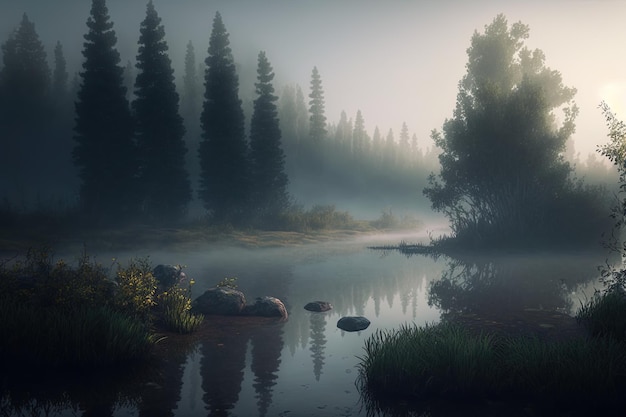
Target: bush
(54,315)
(137,288)
(319,217)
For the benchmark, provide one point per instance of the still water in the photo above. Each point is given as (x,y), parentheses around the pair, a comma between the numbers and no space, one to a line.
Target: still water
(306,366)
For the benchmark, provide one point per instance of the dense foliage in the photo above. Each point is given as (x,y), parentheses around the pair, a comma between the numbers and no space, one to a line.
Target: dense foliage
(503,176)
(61,316)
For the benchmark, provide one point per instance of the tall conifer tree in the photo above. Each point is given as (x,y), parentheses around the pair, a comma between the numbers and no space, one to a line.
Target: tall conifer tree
(224,180)
(268,160)
(163,179)
(317,127)
(105,152)
(24,113)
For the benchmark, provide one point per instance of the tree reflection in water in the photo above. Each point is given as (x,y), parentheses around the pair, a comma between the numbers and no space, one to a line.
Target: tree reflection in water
(501,286)
(318,342)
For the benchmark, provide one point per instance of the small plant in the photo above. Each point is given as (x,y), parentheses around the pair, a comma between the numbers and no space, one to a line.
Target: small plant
(228,283)
(137,287)
(175,307)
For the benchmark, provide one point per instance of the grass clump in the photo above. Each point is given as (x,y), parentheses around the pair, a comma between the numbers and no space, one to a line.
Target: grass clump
(445,361)
(605,314)
(58,316)
(175,306)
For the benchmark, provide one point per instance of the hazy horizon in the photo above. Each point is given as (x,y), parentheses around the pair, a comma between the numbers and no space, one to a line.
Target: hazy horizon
(398,61)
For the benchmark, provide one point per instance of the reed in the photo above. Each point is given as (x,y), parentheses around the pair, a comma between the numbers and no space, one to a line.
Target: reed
(414,364)
(605,314)
(176,315)
(83,338)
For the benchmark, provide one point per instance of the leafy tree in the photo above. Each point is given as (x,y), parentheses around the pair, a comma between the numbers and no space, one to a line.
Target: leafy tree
(268,161)
(502,171)
(105,152)
(163,179)
(224,180)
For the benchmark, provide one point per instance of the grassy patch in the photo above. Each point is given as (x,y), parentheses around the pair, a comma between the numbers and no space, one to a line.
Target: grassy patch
(56,316)
(447,362)
(95,337)
(605,314)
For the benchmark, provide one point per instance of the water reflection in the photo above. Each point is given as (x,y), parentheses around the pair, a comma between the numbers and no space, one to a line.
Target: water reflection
(267,345)
(500,285)
(305,366)
(317,342)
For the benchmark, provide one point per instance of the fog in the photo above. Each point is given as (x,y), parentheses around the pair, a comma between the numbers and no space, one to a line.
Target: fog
(397,61)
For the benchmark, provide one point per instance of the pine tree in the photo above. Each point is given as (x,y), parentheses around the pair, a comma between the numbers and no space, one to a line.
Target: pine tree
(24,113)
(105,152)
(59,76)
(163,180)
(404,146)
(60,146)
(190,85)
(190,110)
(359,137)
(317,129)
(224,180)
(268,160)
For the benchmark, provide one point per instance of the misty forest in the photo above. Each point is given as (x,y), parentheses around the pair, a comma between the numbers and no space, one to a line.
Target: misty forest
(168,228)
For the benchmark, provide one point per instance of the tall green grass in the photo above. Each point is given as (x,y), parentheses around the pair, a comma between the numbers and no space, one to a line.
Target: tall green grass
(605,314)
(175,306)
(445,361)
(83,338)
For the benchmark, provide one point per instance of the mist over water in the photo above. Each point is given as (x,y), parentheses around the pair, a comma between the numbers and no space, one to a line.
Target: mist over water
(305,365)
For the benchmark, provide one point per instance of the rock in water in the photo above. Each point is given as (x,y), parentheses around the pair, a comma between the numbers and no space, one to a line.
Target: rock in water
(220,301)
(266,307)
(318,306)
(353,324)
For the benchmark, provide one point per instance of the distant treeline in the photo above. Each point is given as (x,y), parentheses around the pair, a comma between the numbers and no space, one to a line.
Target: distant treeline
(125,142)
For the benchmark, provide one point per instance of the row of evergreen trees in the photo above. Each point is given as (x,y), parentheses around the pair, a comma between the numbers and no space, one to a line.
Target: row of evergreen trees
(132,145)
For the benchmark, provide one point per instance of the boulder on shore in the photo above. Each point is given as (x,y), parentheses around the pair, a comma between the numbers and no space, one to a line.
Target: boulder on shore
(266,307)
(220,301)
(353,324)
(318,306)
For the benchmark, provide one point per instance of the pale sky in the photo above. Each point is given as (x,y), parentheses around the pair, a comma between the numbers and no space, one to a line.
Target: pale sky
(396,61)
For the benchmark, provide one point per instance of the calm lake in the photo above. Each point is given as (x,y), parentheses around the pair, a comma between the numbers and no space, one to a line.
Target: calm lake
(306,366)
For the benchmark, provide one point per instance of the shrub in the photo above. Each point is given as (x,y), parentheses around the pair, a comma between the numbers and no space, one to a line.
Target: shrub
(137,288)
